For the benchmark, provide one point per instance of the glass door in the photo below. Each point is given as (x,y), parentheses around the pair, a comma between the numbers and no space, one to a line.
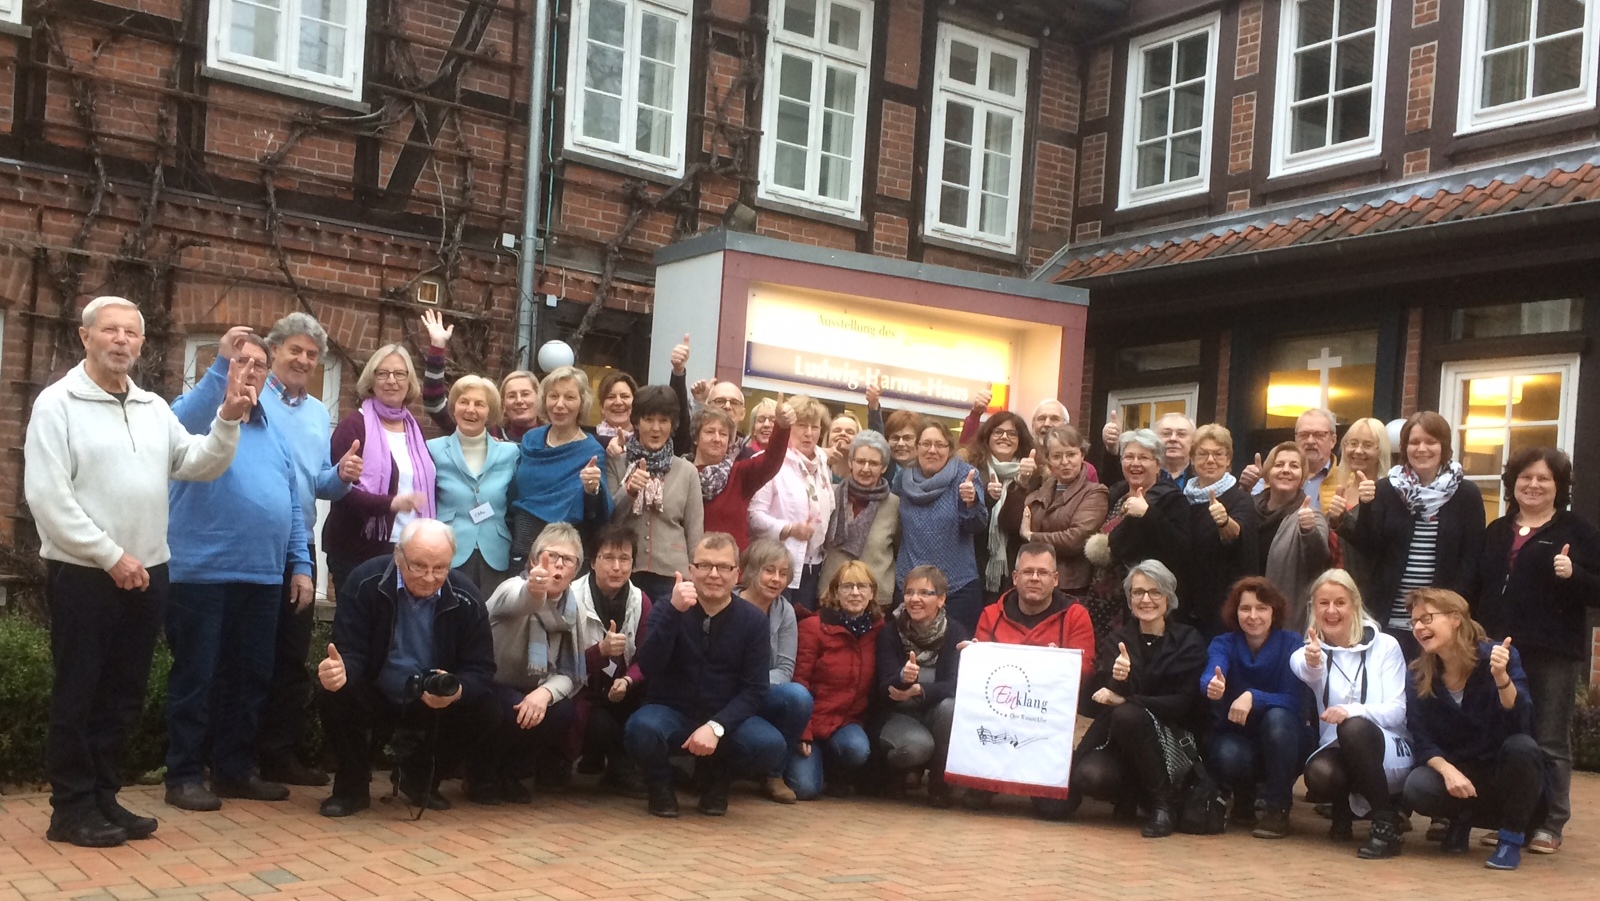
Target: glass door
(1499,407)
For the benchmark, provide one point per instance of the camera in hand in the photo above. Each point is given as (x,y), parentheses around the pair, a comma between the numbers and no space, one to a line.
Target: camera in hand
(438,684)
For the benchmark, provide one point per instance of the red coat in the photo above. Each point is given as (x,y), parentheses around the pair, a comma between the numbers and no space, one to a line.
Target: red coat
(1068,627)
(837,668)
(730,511)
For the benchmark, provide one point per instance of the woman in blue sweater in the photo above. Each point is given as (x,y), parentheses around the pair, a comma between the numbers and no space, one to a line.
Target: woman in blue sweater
(941,509)
(1471,721)
(1258,736)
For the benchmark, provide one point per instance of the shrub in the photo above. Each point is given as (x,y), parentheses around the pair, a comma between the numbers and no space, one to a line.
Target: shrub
(1586,732)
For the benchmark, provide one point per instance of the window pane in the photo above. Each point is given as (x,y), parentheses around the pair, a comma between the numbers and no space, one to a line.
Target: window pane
(789,167)
(1316,21)
(800,17)
(957,163)
(1158,67)
(1536,398)
(658,38)
(1557,65)
(1506,23)
(997,133)
(794,123)
(953,205)
(957,126)
(1003,74)
(1556,16)
(835,177)
(1188,106)
(992,212)
(602,115)
(1352,116)
(652,131)
(1505,77)
(1355,15)
(1355,62)
(1153,116)
(1192,57)
(1152,165)
(844,27)
(253,29)
(1311,72)
(1186,156)
(1539,317)
(963,63)
(607,21)
(321,48)
(1309,126)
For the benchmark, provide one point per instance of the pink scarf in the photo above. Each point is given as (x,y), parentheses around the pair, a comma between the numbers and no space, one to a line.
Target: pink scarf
(377,466)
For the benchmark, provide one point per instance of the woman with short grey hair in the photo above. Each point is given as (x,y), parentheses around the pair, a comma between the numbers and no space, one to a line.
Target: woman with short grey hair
(1145,701)
(866,517)
(1148,520)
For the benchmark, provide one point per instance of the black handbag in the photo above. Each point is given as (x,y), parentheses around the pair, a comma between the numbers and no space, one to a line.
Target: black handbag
(1204,805)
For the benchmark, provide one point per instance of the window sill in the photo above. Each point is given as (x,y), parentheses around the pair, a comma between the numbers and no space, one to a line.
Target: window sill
(298,90)
(787,207)
(945,242)
(1282,184)
(1479,139)
(16,28)
(1199,203)
(618,166)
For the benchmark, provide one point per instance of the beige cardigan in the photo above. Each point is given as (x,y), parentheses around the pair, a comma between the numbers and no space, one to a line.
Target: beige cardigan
(878,553)
(664,536)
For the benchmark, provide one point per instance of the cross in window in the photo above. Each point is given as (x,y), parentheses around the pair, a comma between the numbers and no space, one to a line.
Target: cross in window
(1324,363)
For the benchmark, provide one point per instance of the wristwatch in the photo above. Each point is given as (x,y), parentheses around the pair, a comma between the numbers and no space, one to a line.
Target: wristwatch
(716,728)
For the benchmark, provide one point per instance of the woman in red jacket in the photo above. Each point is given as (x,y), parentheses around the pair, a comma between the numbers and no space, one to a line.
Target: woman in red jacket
(836,663)
(727,484)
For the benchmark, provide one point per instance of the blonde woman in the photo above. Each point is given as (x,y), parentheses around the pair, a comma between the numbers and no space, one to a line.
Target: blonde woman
(1364,458)
(474,481)
(559,471)
(797,504)
(397,479)
(1291,535)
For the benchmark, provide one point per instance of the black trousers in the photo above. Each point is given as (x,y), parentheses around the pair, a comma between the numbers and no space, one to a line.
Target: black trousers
(101,641)
(1510,789)
(283,717)
(1131,764)
(424,738)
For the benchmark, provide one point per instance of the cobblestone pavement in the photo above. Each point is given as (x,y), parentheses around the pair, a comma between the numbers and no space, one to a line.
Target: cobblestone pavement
(586,845)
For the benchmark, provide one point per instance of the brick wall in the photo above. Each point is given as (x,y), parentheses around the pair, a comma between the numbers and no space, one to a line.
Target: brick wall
(1411,378)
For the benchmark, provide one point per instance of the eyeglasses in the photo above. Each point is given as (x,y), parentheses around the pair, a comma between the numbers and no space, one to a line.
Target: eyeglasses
(1211,455)
(624,559)
(921,593)
(390,375)
(1064,456)
(1004,433)
(932,445)
(902,439)
(868,464)
(728,402)
(1368,446)
(1425,619)
(854,588)
(1154,594)
(1317,435)
(432,572)
(1035,573)
(566,560)
(719,568)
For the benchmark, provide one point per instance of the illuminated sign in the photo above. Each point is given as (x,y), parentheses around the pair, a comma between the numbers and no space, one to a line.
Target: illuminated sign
(832,371)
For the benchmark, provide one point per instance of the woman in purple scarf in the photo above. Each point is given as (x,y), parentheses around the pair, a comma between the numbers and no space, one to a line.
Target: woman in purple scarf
(397,479)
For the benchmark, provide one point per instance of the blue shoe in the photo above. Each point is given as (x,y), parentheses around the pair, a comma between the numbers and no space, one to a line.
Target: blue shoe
(1508,854)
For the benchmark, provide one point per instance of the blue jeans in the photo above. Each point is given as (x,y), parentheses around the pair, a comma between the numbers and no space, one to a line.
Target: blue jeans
(223,639)
(840,755)
(788,708)
(1270,745)
(656,732)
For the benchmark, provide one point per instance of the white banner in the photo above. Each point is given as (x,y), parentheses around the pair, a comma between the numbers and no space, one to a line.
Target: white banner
(1016,711)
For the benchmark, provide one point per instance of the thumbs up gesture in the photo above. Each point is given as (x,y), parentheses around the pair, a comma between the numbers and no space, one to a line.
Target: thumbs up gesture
(910,672)
(637,478)
(590,476)
(874,394)
(330,672)
(618,445)
(1344,498)
(1123,665)
(1313,648)
(994,487)
(538,580)
(1251,474)
(1499,659)
(1027,466)
(1134,504)
(969,488)
(1306,517)
(615,644)
(1217,685)
(785,413)
(1366,490)
(1563,562)
(680,356)
(1111,433)
(1026,530)
(1219,513)
(350,464)
(981,401)
(684,594)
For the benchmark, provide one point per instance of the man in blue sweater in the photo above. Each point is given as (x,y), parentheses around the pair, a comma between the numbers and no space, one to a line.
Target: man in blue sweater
(705,659)
(231,539)
(298,344)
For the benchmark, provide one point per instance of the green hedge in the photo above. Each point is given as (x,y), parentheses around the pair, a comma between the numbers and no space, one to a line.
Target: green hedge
(25,679)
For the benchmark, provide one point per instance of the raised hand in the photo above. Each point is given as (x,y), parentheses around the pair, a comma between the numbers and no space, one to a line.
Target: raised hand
(1344,499)
(637,478)
(589,475)
(539,580)
(438,333)
(995,487)
(618,445)
(981,402)
(350,465)
(785,413)
(1367,490)
(410,502)
(129,574)
(240,398)
(1217,686)
(1027,466)
(1499,659)
(680,356)
(684,594)
(330,672)
(1134,504)
(615,644)
(1313,648)
(233,340)
(969,488)
(1219,513)
(1306,517)
(1111,433)
(1026,531)
(1123,665)
(1251,474)
(1239,710)
(874,395)
(701,390)
(910,672)
(835,456)
(1563,562)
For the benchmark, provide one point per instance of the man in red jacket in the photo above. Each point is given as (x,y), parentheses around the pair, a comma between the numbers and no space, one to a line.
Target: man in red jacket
(1035,613)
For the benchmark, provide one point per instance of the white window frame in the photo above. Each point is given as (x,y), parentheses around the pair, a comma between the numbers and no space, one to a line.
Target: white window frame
(1131,196)
(1187,392)
(1471,118)
(984,102)
(1453,405)
(1284,160)
(822,56)
(11,11)
(283,71)
(625,150)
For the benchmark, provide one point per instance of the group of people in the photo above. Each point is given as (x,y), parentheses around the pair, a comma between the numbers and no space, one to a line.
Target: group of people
(691,592)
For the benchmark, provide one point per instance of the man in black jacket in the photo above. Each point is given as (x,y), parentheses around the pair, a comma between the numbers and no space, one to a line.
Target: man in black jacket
(705,659)
(400,620)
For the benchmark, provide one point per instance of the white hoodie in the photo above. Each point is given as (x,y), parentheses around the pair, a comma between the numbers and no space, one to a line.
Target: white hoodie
(96,471)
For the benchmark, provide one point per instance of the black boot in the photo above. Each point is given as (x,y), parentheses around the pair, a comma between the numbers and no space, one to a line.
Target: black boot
(1385,839)
(714,800)
(1343,826)
(663,799)
(1162,820)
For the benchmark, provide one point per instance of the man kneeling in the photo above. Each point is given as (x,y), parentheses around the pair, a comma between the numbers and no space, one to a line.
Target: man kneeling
(705,658)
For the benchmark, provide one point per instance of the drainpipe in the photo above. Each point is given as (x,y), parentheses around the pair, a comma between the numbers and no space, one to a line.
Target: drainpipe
(533,176)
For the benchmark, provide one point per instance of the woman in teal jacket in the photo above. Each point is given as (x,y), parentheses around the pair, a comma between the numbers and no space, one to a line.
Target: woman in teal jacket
(474,474)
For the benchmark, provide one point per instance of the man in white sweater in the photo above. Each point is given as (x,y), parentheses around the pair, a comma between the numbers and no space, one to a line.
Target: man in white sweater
(98,456)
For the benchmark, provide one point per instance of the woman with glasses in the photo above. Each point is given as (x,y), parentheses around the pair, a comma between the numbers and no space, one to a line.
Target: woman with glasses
(919,656)
(656,494)
(900,429)
(763,420)
(397,479)
(1471,716)
(1291,536)
(1222,529)
(836,660)
(1364,458)
(559,472)
(1146,709)
(1004,455)
(1066,510)
(1148,519)
(612,607)
(729,398)
(1358,676)
(474,482)
(727,485)
(795,506)
(941,509)
(866,518)
(765,567)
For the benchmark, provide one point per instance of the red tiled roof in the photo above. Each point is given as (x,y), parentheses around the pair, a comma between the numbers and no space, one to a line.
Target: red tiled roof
(1470,202)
